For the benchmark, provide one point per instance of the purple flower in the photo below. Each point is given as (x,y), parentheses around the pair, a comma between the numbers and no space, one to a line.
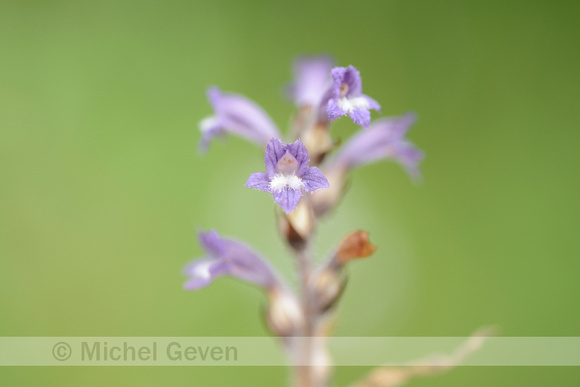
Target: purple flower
(311,80)
(287,174)
(385,139)
(237,115)
(346,97)
(227,257)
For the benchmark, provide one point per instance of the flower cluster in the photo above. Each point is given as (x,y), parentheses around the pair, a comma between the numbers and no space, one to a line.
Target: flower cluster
(306,177)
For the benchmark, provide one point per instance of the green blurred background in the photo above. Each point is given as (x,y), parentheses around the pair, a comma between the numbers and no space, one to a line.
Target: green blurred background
(102,190)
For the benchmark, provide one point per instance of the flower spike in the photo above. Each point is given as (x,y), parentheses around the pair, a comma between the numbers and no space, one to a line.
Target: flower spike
(287,174)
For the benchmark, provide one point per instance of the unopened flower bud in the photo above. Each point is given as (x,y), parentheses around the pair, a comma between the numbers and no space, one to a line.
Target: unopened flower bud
(284,315)
(325,200)
(318,141)
(297,226)
(327,286)
(355,246)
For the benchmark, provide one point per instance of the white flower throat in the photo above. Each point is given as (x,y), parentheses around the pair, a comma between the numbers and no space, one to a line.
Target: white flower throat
(202,270)
(351,104)
(208,124)
(280,181)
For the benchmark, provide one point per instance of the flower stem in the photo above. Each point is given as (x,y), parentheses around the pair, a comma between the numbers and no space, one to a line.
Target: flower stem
(304,373)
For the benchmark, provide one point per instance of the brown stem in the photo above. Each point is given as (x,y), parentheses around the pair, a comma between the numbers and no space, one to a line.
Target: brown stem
(304,373)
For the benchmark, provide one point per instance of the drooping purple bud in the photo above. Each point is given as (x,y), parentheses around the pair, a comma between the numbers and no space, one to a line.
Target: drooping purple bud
(227,257)
(237,115)
(346,97)
(287,174)
(311,80)
(384,140)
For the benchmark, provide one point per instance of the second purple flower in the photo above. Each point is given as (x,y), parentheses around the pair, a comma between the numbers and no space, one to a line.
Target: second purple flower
(287,174)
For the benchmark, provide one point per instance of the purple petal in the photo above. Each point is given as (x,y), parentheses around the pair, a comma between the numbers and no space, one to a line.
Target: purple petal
(334,111)
(323,106)
(313,179)
(401,125)
(214,95)
(298,150)
(361,117)
(243,263)
(210,128)
(409,157)
(372,103)
(348,76)
(259,180)
(274,152)
(311,79)
(211,242)
(352,79)
(337,75)
(288,198)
